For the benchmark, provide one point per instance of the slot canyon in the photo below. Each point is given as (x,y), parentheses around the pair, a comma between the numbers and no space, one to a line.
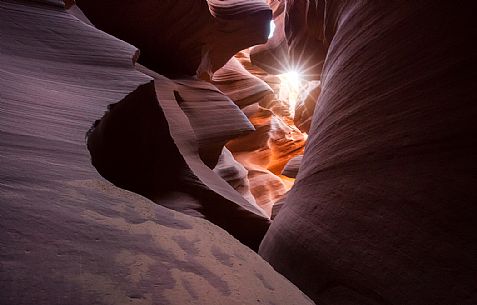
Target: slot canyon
(273,152)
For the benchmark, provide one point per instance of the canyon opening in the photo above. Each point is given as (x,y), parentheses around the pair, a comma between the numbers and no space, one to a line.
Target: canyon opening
(230,152)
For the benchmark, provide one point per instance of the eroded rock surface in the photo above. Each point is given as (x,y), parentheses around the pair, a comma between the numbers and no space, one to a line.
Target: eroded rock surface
(383,210)
(186,37)
(272,56)
(67,235)
(292,167)
(235,174)
(265,151)
(240,85)
(305,105)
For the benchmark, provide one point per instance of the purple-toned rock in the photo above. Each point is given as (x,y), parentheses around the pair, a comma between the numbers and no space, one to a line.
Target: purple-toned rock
(235,174)
(272,56)
(183,37)
(240,85)
(384,207)
(70,237)
(150,143)
(292,167)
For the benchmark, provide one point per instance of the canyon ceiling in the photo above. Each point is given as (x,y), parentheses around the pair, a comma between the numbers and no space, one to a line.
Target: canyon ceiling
(177,152)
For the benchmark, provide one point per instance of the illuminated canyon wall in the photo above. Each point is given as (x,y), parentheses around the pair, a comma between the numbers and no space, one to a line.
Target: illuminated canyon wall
(148,148)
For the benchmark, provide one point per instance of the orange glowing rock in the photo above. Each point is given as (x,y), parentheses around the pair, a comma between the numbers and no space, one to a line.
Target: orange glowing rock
(69,236)
(265,152)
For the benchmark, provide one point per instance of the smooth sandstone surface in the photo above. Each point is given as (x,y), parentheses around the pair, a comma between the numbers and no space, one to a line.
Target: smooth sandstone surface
(235,174)
(305,105)
(240,85)
(265,151)
(292,167)
(383,209)
(203,104)
(67,235)
(183,37)
(272,56)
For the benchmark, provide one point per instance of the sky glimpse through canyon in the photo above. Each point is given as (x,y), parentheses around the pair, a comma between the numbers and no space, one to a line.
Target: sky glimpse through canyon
(238,152)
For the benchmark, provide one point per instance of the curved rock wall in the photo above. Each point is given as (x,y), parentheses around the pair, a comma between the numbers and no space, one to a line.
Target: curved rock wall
(240,85)
(272,56)
(305,105)
(70,237)
(235,174)
(383,210)
(183,37)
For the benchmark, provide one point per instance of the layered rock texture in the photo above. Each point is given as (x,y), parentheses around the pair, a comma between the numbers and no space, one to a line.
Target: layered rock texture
(182,38)
(224,27)
(383,210)
(148,174)
(305,105)
(292,167)
(242,86)
(68,236)
(272,56)
(265,152)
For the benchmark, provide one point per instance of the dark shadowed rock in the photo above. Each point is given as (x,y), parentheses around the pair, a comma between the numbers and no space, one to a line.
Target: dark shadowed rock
(272,56)
(184,37)
(147,143)
(67,235)
(383,210)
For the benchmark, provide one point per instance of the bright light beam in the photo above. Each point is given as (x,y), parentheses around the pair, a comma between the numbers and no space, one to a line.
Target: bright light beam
(272,29)
(290,86)
(293,77)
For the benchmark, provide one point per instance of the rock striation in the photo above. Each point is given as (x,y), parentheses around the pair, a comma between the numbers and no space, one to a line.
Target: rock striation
(68,235)
(383,209)
(305,105)
(235,174)
(198,145)
(272,56)
(240,85)
(265,152)
(186,37)
(275,140)
(292,167)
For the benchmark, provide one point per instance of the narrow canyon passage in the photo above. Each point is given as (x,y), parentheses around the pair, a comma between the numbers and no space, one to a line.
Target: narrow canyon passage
(265,152)
(230,152)
(245,123)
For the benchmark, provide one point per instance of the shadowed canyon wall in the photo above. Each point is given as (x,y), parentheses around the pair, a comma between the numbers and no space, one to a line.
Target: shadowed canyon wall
(383,209)
(201,146)
(67,235)
(182,110)
(182,39)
